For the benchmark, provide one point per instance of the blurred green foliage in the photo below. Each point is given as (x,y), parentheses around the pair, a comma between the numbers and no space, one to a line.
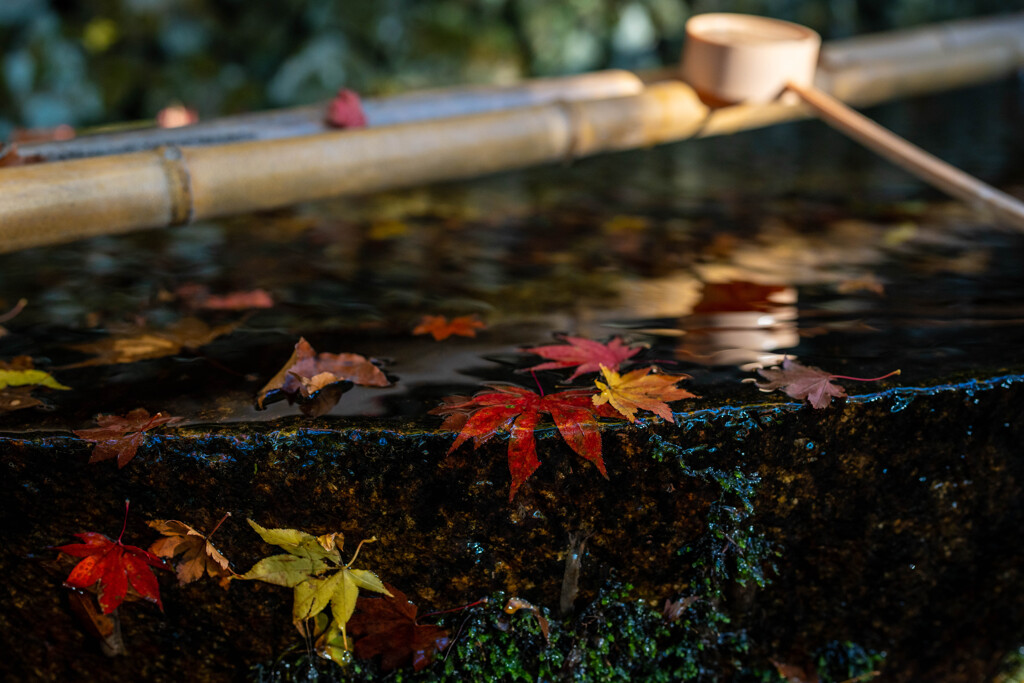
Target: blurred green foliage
(108,60)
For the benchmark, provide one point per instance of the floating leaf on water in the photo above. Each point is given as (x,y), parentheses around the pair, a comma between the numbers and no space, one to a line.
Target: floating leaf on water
(17,399)
(439,327)
(187,334)
(586,355)
(308,375)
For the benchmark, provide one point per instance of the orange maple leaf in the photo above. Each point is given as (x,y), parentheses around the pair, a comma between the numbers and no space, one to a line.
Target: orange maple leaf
(197,553)
(640,390)
(440,328)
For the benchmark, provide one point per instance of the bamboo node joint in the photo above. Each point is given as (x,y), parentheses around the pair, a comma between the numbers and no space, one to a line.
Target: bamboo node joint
(179,184)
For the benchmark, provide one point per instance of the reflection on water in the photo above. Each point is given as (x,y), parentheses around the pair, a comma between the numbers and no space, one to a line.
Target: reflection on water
(720,254)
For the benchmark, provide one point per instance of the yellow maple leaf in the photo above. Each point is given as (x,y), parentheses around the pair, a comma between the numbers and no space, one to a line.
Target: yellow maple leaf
(640,390)
(315,569)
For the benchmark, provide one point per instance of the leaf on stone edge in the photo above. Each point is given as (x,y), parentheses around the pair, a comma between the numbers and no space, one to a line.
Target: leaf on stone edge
(113,567)
(793,673)
(285,570)
(801,381)
(119,437)
(316,581)
(301,544)
(640,389)
(198,555)
(518,410)
(388,628)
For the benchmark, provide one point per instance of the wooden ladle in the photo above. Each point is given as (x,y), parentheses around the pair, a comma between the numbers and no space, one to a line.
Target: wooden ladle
(740,58)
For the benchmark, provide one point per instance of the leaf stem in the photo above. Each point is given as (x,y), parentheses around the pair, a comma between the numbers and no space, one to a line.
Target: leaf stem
(372,539)
(862,379)
(540,389)
(226,515)
(481,601)
(125,525)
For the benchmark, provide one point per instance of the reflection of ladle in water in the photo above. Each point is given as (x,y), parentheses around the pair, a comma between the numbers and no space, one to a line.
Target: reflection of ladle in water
(733,58)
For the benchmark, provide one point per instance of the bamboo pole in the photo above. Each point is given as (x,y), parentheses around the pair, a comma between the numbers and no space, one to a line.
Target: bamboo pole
(311,119)
(68,200)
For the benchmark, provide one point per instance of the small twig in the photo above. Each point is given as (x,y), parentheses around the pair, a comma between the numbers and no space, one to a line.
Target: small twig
(18,308)
(451,645)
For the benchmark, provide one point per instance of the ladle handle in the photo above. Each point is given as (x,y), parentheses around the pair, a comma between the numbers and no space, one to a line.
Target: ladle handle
(929,168)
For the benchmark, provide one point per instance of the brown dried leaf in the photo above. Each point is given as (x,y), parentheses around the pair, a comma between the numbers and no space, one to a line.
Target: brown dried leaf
(120,437)
(797,674)
(186,334)
(806,382)
(307,374)
(389,629)
(17,398)
(197,552)
(515,604)
(673,610)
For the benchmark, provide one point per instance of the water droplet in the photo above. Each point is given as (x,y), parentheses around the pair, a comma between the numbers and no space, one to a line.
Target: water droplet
(901,401)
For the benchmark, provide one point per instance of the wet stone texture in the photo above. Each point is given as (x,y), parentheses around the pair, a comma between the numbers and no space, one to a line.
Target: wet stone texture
(891,521)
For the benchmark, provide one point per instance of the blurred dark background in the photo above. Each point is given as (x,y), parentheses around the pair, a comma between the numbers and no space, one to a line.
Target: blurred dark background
(87,63)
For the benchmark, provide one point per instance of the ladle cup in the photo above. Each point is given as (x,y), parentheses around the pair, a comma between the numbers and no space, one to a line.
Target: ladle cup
(740,58)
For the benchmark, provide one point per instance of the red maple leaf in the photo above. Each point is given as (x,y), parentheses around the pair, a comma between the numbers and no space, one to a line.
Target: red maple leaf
(519,410)
(112,567)
(588,355)
(389,629)
(199,296)
(120,437)
(440,327)
(805,382)
(346,110)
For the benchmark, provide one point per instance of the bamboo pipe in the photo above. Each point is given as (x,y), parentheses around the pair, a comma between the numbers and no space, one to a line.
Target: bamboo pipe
(64,201)
(309,120)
